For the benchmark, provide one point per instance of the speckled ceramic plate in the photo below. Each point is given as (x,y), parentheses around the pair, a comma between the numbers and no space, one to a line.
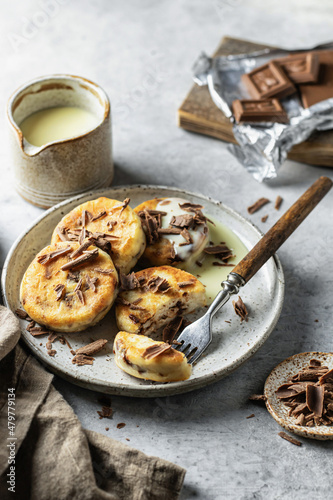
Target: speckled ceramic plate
(278,410)
(233,343)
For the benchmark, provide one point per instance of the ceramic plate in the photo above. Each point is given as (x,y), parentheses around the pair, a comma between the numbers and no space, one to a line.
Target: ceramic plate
(233,343)
(278,410)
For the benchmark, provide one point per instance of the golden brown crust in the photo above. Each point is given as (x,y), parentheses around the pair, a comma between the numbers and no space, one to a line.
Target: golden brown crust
(129,242)
(132,355)
(159,253)
(149,310)
(69,300)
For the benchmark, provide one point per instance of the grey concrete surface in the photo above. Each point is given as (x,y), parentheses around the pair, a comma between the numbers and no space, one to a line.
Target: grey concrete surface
(141,52)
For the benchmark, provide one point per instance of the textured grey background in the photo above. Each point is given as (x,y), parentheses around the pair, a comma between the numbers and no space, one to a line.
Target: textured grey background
(141,52)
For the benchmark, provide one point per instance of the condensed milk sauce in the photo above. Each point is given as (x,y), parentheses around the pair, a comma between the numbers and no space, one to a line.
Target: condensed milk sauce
(210,275)
(56,124)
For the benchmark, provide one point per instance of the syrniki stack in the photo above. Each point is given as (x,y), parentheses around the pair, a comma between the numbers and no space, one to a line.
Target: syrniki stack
(145,358)
(113,225)
(155,296)
(69,287)
(176,231)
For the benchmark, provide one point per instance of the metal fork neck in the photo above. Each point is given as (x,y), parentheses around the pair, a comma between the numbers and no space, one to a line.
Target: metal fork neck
(230,286)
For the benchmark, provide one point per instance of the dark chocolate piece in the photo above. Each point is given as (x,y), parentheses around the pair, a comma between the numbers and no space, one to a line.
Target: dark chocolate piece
(257,205)
(291,439)
(316,92)
(268,80)
(301,68)
(264,110)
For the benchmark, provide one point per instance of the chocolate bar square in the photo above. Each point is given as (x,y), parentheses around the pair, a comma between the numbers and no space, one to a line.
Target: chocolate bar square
(301,68)
(323,89)
(265,110)
(268,80)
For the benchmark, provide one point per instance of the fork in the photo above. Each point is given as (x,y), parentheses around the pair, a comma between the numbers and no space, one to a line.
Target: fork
(196,337)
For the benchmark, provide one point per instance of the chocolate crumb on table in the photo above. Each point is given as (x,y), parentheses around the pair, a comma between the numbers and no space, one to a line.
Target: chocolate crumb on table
(257,397)
(264,218)
(251,416)
(121,425)
(107,428)
(257,205)
(290,438)
(240,309)
(106,411)
(278,202)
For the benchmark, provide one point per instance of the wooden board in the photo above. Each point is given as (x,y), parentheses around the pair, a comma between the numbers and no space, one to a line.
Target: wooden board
(198,113)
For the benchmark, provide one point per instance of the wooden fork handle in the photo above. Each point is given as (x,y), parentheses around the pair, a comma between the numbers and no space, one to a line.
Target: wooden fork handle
(284,227)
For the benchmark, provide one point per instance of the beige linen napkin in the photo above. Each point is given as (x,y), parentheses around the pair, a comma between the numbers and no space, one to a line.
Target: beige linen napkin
(55,458)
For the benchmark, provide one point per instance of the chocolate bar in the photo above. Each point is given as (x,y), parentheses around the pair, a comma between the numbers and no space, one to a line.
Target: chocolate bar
(265,110)
(301,68)
(316,92)
(268,80)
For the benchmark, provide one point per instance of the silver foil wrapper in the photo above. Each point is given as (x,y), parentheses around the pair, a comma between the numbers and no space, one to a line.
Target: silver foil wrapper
(262,148)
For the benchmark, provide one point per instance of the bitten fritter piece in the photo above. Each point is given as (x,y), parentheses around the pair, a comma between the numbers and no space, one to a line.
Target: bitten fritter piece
(115,227)
(68,287)
(155,296)
(148,359)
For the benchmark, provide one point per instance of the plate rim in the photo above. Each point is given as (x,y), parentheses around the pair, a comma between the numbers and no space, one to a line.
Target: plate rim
(148,391)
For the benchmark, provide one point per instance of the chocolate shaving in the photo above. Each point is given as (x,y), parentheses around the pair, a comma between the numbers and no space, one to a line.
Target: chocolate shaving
(31,324)
(102,243)
(82,359)
(158,284)
(83,234)
(187,236)
(99,216)
(106,412)
(85,218)
(62,233)
(184,220)
(123,205)
(81,249)
(92,348)
(184,284)
(103,271)
(222,264)
(22,314)
(171,329)
(264,218)
(120,425)
(91,282)
(190,207)
(155,350)
(278,202)
(49,257)
(257,397)
(38,330)
(80,296)
(169,230)
(128,281)
(151,226)
(220,251)
(87,256)
(51,338)
(308,398)
(257,205)
(131,305)
(134,318)
(74,276)
(60,291)
(315,399)
(291,439)
(240,309)
(165,202)
(251,416)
